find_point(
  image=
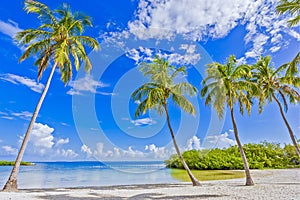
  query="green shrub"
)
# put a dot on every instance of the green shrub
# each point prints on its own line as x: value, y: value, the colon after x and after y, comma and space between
x: 11, y: 163
x: 259, y: 156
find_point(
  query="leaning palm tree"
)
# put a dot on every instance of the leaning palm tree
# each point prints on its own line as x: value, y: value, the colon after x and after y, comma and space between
x: 228, y: 84
x: 291, y: 7
x: 274, y: 83
x: 54, y: 42
x: 156, y: 94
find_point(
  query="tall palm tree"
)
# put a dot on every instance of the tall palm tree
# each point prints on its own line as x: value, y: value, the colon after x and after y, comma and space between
x: 228, y: 84
x: 273, y: 84
x: 292, y: 7
x: 54, y: 42
x: 156, y: 94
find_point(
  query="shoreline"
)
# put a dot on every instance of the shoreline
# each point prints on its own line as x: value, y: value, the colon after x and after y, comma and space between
x: 269, y: 184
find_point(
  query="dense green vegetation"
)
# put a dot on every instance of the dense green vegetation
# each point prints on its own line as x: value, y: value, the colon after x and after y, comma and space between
x: 260, y: 156
x: 11, y: 163
x: 207, y: 175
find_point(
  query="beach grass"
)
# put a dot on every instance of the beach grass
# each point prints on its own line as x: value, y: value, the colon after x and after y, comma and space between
x: 207, y: 175
x: 11, y: 163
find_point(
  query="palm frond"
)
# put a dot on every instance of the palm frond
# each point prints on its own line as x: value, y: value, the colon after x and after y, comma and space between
x: 35, y: 48
x: 183, y: 103
x: 43, y: 11
x: 154, y: 95
x: 291, y: 7
x: 57, y: 39
x: 184, y: 88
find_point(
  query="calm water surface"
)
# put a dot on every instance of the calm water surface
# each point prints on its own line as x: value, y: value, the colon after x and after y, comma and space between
x: 77, y: 174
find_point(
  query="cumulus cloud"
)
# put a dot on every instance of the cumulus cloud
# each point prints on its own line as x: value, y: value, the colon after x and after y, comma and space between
x: 143, y: 121
x: 221, y: 141
x: 9, y: 150
x: 194, y: 18
x: 85, y: 149
x: 41, y: 137
x: 199, y: 20
x: 62, y: 142
x: 193, y: 143
x: 150, y: 152
x: 20, y: 80
x: 9, y: 28
x: 85, y: 84
x: 99, y: 149
x: 42, y: 142
x: 159, y: 152
x: 66, y: 153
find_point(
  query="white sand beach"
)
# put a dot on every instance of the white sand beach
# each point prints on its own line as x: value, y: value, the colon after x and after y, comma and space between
x: 270, y: 184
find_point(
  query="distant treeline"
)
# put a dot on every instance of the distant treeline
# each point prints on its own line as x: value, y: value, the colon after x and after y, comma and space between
x: 259, y: 156
x: 11, y: 163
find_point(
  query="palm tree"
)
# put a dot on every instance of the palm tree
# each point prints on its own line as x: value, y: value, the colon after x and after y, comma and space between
x: 156, y: 93
x: 55, y: 41
x: 292, y: 7
x: 273, y: 85
x: 227, y: 85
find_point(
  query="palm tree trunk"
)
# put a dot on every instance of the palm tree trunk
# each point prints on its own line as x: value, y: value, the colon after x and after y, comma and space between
x: 249, y: 180
x: 192, y: 177
x: 288, y: 126
x: 11, y: 184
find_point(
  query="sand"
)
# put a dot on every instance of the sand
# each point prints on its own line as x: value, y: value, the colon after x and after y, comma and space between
x: 269, y: 184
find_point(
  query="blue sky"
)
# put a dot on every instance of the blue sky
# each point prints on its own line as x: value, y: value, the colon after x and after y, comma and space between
x: 92, y: 116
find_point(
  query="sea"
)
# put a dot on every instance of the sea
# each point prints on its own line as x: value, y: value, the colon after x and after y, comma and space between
x: 88, y: 173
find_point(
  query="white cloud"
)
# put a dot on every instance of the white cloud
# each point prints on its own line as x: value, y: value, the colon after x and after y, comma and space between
x: 42, y: 142
x: 150, y: 152
x: 294, y: 34
x: 143, y: 121
x: 275, y: 49
x: 134, y: 54
x: 4, y: 115
x: 186, y: 56
x: 181, y: 59
x: 9, y: 150
x: 107, y: 93
x: 137, y: 102
x: 193, y: 143
x: 116, y: 38
x: 202, y: 19
x: 62, y: 142
x: 259, y: 41
x: 10, y: 115
x: 195, y: 18
x: 99, y: 149
x: 64, y: 124
x: 221, y: 141
x: 9, y: 28
x: 86, y: 84
x: 66, y: 153
x: 131, y: 153
x: 23, y: 115
x: 7, y: 117
x: 41, y: 137
x: 159, y: 152
x: 87, y: 150
x: 30, y: 83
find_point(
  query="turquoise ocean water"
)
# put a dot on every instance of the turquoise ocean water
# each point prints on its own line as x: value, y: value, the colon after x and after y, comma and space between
x: 84, y: 174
